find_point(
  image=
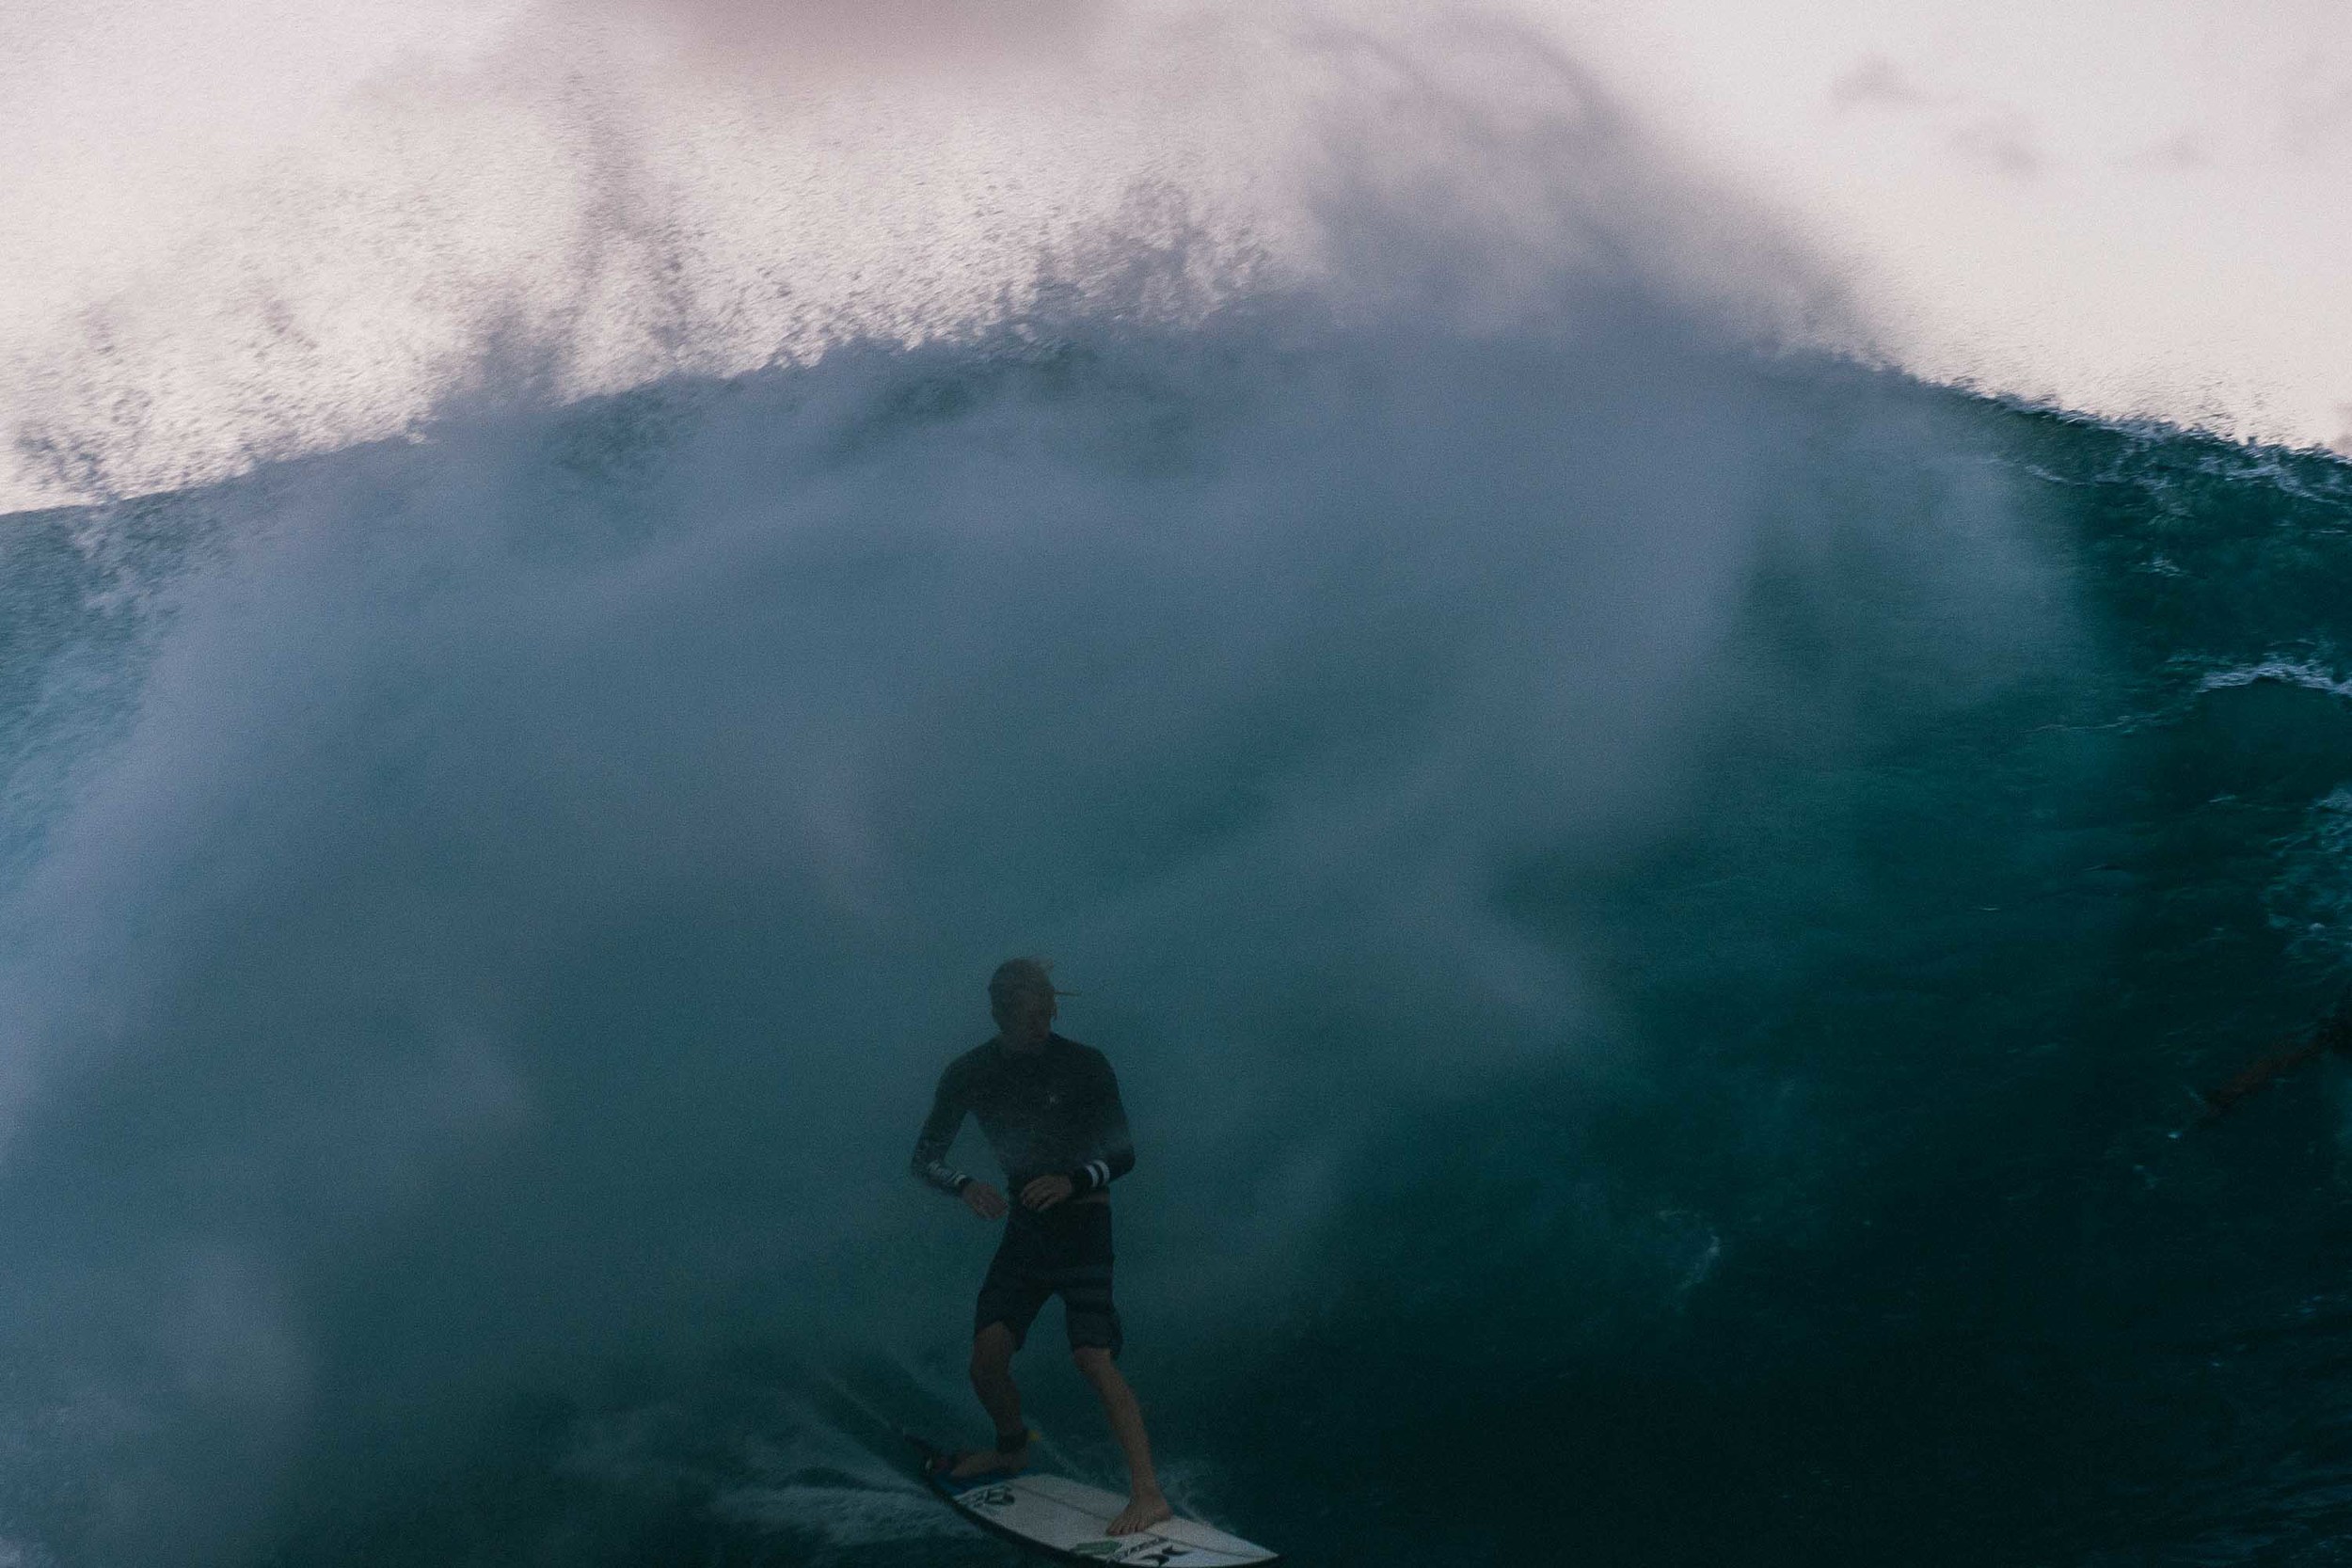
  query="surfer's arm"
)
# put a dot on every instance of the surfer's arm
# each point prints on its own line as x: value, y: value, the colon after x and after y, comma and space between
x: 2332, y: 1035
x: 1113, y: 1152
x: 932, y: 1145
x: 2258, y: 1076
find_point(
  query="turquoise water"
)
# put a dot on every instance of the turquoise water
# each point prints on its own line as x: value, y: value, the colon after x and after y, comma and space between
x: 1655, y: 908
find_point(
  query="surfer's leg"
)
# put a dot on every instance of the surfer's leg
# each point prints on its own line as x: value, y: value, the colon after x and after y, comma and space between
x: 991, y: 1379
x: 1146, y: 1506
x: 1083, y: 1275
x: 1009, y: 1299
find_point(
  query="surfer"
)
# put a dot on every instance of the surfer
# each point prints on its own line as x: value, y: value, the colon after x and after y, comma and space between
x: 1050, y: 1110
x: 2332, y: 1033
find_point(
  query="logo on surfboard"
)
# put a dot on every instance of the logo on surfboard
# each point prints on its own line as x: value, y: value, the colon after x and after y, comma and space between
x: 1150, y: 1552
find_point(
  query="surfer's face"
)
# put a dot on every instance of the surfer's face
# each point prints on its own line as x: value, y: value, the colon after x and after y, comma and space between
x: 1023, y: 1021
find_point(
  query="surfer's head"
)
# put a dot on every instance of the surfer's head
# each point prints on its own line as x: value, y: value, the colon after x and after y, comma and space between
x: 1021, y: 995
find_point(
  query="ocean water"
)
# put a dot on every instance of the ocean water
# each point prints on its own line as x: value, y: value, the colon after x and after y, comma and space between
x: 1655, y: 902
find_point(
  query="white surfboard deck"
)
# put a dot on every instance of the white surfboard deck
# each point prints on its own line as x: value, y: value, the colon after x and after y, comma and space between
x: 1065, y: 1519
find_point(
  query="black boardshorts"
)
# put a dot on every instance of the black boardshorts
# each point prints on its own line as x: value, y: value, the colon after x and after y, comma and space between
x: 1065, y: 1251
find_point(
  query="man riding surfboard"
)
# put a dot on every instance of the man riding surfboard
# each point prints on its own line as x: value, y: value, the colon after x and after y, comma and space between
x: 1050, y: 1110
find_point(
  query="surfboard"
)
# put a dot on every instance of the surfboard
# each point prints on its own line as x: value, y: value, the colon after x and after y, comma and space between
x: 1064, y: 1520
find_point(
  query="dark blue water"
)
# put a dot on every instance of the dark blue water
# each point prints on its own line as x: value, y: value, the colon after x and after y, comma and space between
x: 1655, y: 908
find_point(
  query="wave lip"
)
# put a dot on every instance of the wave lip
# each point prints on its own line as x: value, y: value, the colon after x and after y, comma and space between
x: 585, y: 208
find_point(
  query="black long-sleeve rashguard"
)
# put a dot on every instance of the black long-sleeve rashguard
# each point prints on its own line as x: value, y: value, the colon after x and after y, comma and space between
x: 1051, y: 1111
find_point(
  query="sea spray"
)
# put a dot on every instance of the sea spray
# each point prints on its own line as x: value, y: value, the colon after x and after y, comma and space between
x: 1653, y: 901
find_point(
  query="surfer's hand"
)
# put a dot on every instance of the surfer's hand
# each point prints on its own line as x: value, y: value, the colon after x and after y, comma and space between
x: 1046, y: 1190
x: 983, y: 1200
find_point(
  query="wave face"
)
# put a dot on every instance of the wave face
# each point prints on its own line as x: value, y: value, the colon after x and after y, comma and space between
x: 1653, y: 904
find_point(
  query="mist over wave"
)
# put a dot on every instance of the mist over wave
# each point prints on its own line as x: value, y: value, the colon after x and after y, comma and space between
x: 1647, y: 893
x: 580, y: 199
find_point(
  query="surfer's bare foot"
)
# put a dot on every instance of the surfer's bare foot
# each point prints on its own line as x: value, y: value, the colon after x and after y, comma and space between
x: 1143, y: 1510
x: 988, y: 1461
